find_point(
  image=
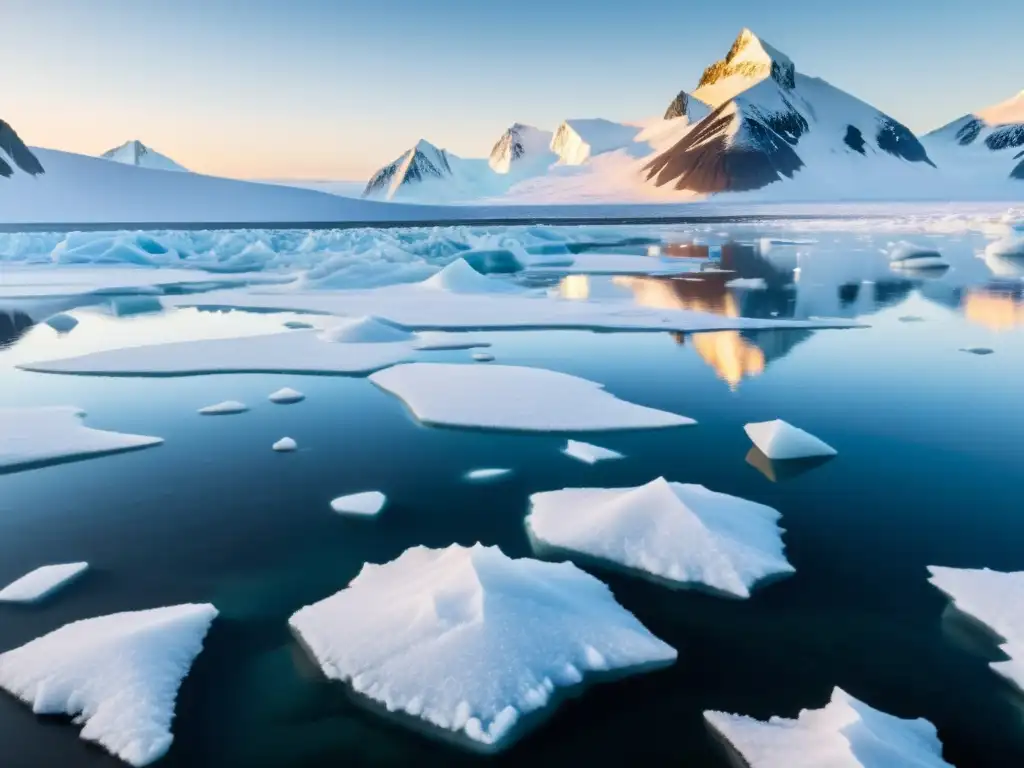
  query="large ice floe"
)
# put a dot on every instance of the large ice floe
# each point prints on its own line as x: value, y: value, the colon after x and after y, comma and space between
x: 781, y: 441
x: 365, y: 504
x: 471, y: 645
x: 35, y: 436
x: 41, y: 583
x: 117, y: 675
x: 845, y: 733
x: 509, y: 397
x: 680, y: 534
x: 996, y: 599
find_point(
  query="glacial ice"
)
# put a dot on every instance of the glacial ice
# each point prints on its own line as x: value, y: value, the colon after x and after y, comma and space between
x: 482, y: 475
x: 40, y: 583
x: 589, y: 453
x: 368, y: 503
x: 62, y: 322
x: 468, y: 642
x: 779, y: 440
x: 41, y: 435
x: 845, y: 733
x: 682, y: 534
x: 507, y: 397
x: 225, y: 408
x: 117, y: 675
x: 285, y: 445
x: 286, y: 396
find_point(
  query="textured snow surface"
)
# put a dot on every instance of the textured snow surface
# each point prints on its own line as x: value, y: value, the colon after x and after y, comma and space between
x: 469, y: 640
x: 224, y: 408
x: 589, y: 453
x: 368, y: 503
x: 286, y: 396
x: 118, y: 675
x: 682, y: 533
x: 845, y: 733
x: 514, y: 398
x: 36, y: 435
x: 285, y: 445
x: 479, y: 475
x: 40, y: 583
x: 996, y: 599
x: 779, y: 440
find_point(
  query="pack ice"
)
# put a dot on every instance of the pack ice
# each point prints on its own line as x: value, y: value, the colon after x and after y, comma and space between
x: 467, y: 643
x: 845, y: 733
x: 682, y: 534
x: 117, y: 675
x: 40, y: 435
x: 510, y: 397
x: 779, y: 440
x: 40, y: 583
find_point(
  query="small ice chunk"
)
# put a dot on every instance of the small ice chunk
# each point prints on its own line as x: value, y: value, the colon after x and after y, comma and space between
x: 40, y: 583
x: 977, y: 350
x: 779, y: 440
x: 62, y: 323
x: 908, y: 256
x: 471, y: 639
x: 460, y: 277
x: 297, y: 325
x: 285, y: 444
x: 286, y: 396
x: 510, y: 397
x: 589, y: 453
x: 845, y: 733
x: 365, y: 330
x: 117, y: 675
x: 40, y: 435
x: 749, y: 283
x: 479, y: 475
x: 368, y: 503
x: 483, y: 357
x: 679, y: 533
x: 225, y: 408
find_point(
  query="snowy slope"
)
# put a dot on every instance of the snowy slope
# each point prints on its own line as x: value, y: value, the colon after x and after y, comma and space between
x: 136, y: 153
x: 14, y: 155
x: 576, y: 141
x: 988, y: 143
x: 522, y: 148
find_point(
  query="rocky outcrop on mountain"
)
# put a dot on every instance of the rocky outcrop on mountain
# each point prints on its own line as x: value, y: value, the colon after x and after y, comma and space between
x: 988, y: 142
x: 13, y: 150
x: 138, y: 154
x: 521, y: 145
x: 421, y: 163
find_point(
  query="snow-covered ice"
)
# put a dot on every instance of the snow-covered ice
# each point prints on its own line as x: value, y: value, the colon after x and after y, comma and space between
x: 460, y: 277
x: 368, y: 503
x: 907, y: 256
x: 682, y: 534
x: 438, y: 341
x: 285, y: 445
x: 509, y: 397
x: 617, y: 264
x: 286, y: 396
x: 589, y: 453
x: 468, y: 642
x: 483, y: 357
x: 40, y: 583
x: 779, y: 440
x: 996, y: 599
x: 225, y: 408
x: 845, y: 733
x: 117, y: 675
x: 364, y: 330
x: 40, y: 435
x: 480, y: 475
x: 62, y: 322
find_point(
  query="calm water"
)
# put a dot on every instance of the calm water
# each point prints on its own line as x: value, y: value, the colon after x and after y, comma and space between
x: 929, y: 442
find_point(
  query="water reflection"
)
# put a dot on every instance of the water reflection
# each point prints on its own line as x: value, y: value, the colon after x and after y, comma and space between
x: 994, y: 309
x: 780, y: 471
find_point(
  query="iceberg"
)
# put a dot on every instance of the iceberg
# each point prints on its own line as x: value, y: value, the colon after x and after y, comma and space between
x: 225, y: 408
x: 481, y: 475
x: 588, y: 453
x: 117, y: 675
x: 285, y: 445
x: 508, y: 397
x: 907, y: 256
x: 367, y: 504
x: 845, y: 733
x: 680, y: 534
x: 34, y: 436
x: 41, y: 583
x: 62, y: 322
x: 779, y: 441
x: 286, y: 396
x: 471, y: 645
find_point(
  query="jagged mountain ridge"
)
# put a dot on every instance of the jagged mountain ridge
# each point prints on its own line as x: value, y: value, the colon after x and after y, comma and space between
x: 136, y: 153
x: 14, y: 149
x: 991, y: 139
x: 424, y: 161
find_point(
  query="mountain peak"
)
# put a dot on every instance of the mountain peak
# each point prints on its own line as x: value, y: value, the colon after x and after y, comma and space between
x: 753, y: 58
x: 134, y: 152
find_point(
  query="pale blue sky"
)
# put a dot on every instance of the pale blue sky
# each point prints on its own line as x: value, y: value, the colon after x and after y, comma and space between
x: 336, y: 88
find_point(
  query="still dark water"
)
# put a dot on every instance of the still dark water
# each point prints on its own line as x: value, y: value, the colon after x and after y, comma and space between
x: 928, y: 472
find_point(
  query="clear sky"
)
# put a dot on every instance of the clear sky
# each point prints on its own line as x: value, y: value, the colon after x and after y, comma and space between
x: 333, y: 89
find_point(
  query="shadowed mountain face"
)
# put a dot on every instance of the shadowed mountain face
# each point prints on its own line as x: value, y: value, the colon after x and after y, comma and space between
x: 14, y: 148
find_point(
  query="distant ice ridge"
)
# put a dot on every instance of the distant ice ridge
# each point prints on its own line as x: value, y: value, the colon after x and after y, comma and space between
x: 845, y: 733
x: 117, y: 675
x: 472, y: 644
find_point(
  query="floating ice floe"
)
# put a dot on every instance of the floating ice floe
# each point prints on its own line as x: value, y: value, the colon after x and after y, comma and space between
x: 588, y: 453
x: 907, y: 256
x: 996, y: 599
x: 681, y: 534
x: 226, y: 408
x: 286, y: 396
x: 368, y: 503
x: 42, y: 435
x: 845, y: 733
x: 62, y: 322
x: 977, y: 350
x: 483, y: 357
x: 472, y: 644
x: 779, y: 440
x: 41, y: 583
x: 480, y: 475
x: 749, y: 283
x: 284, y: 445
x: 617, y: 264
x: 117, y: 675
x: 509, y: 397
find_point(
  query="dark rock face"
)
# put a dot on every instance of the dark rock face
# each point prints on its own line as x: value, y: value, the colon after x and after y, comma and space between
x: 968, y: 132
x: 21, y: 155
x: 511, y: 142
x: 420, y: 167
x: 1018, y: 172
x: 896, y: 139
x: 678, y: 106
x: 789, y: 125
x: 1009, y: 136
x: 854, y: 139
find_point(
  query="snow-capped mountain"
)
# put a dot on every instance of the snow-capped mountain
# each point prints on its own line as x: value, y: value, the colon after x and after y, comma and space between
x: 522, y: 147
x: 770, y: 122
x: 576, y: 141
x: 136, y: 153
x: 987, y: 142
x: 421, y: 163
x: 14, y: 154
